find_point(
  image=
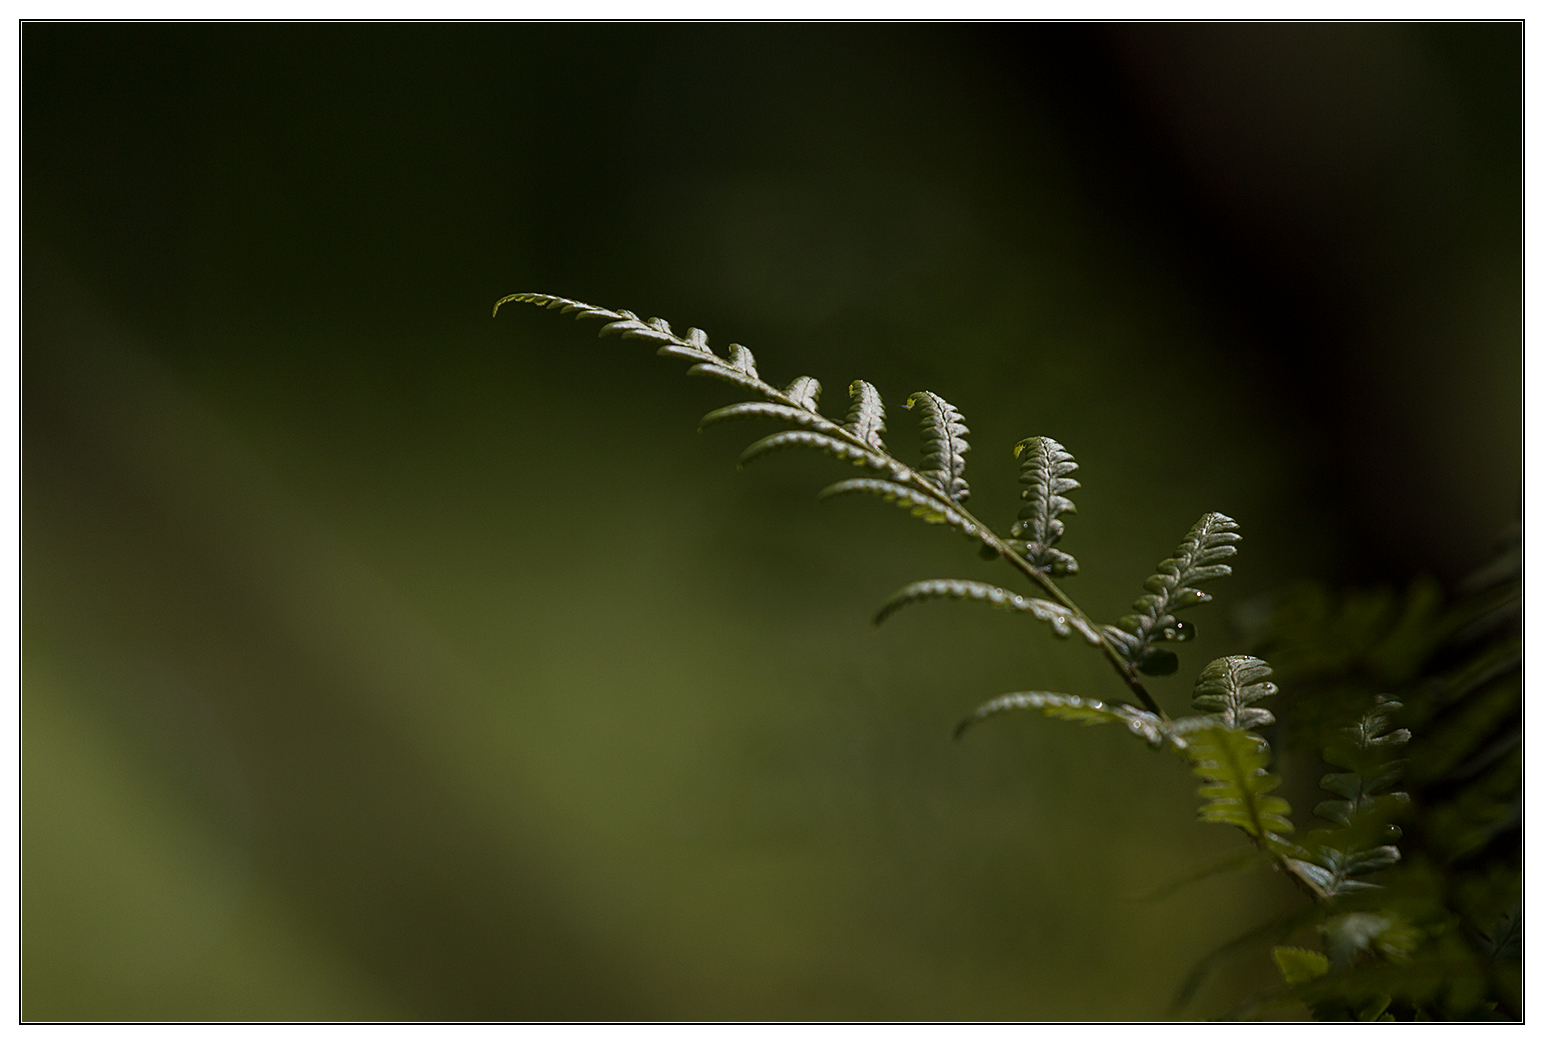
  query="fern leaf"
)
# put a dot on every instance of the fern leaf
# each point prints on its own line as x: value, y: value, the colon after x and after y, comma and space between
x: 1046, y: 465
x: 805, y: 391
x: 921, y: 505
x: 740, y: 358
x: 693, y: 347
x: 866, y: 418
x: 771, y: 411
x: 1063, y: 622
x: 1198, y: 558
x: 1237, y: 787
x: 1229, y: 686
x: 826, y: 444
x: 566, y: 305
x: 1351, y: 850
x: 1363, y: 748
x: 1333, y: 872
x: 1371, y: 734
x: 943, y: 444
x: 1072, y: 708
x: 1299, y: 965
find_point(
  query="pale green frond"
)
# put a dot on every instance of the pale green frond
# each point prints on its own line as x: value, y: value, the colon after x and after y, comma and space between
x: 1230, y: 686
x: 771, y: 411
x: 1172, y: 588
x: 866, y: 418
x: 1063, y: 622
x: 1299, y: 965
x: 826, y: 444
x: 1236, y: 785
x: 943, y: 444
x: 1072, y: 708
x: 921, y: 505
x: 1044, y: 467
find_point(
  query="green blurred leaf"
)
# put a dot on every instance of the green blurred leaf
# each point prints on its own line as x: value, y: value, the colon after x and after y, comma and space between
x: 1299, y: 965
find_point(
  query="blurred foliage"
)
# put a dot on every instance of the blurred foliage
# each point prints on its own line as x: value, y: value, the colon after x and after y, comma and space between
x: 381, y: 661
x: 1439, y: 935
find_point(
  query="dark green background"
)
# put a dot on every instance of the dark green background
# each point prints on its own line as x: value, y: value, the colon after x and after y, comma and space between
x: 382, y: 660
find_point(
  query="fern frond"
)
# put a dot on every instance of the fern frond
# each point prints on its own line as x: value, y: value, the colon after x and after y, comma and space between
x: 1360, y: 793
x: 1361, y: 815
x: 1370, y: 735
x: 1237, y: 787
x: 921, y: 505
x: 826, y: 444
x: 935, y: 492
x: 866, y: 418
x: 1062, y: 622
x: 1043, y: 473
x: 1198, y: 558
x: 693, y: 347
x: 565, y: 304
x: 1332, y: 872
x: 1364, y: 748
x: 1072, y: 708
x: 943, y: 444
x: 1228, y: 687
x: 771, y: 411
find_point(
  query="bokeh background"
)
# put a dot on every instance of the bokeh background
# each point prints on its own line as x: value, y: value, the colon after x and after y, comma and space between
x: 383, y: 660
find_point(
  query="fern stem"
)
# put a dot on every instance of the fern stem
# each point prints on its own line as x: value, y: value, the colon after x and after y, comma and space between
x: 1123, y: 667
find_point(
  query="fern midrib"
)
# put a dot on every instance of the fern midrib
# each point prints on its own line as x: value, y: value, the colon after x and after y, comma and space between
x: 1161, y: 607
x: 950, y: 443
x: 1042, y: 518
x: 1234, y: 695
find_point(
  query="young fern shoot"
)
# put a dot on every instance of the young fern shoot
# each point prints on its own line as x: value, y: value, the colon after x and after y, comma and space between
x: 936, y: 492
x: 1217, y: 742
